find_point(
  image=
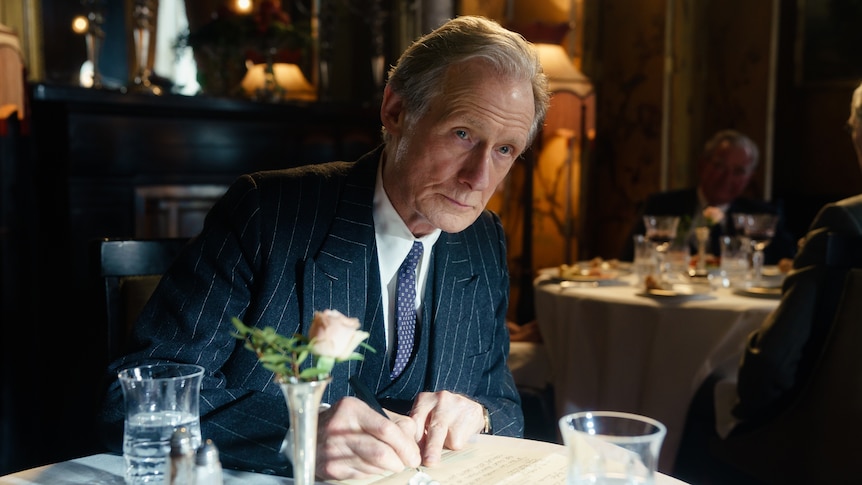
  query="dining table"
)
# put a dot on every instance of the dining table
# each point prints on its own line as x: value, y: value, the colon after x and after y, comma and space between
x: 612, y: 345
x: 487, y: 459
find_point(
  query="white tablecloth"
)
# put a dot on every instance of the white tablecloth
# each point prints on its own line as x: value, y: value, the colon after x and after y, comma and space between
x: 612, y: 349
x: 107, y: 469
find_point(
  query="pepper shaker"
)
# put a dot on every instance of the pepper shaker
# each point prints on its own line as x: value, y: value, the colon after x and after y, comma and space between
x: 181, y: 465
x: 207, y: 465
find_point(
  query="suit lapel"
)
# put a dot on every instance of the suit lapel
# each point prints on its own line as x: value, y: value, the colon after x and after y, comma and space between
x: 337, y: 276
x: 447, y: 296
x: 344, y: 274
x: 454, y: 282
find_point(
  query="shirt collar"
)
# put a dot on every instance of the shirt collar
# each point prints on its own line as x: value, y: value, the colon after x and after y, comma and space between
x: 394, y: 239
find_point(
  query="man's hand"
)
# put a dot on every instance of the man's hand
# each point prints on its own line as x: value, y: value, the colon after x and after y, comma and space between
x: 354, y: 441
x: 444, y: 419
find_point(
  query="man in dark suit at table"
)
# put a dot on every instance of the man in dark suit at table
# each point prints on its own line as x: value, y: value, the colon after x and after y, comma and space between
x: 780, y: 357
x: 461, y: 105
x: 724, y: 171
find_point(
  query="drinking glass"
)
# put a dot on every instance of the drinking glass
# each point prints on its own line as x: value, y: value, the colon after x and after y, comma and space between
x: 611, y: 448
x: 735, y: 256
x: 159, y: 399
x: 739, y: 221
x: 661, y: 230
x: 759, y: 229
x: 644, y: 263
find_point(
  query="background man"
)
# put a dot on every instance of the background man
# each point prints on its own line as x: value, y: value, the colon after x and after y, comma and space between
x: 724, y: 170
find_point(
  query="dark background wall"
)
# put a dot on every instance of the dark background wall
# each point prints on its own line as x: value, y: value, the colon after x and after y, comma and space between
x: 721, y: 56
x: 722, y: 60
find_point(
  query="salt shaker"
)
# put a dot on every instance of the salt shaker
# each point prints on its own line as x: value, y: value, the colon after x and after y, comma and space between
x: 207, y: 465
x: 181, y: 463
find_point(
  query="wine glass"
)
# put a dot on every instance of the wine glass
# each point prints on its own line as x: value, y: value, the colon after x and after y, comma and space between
x: 740, y: 220
x: 661, y: 230
x: 759, y: 229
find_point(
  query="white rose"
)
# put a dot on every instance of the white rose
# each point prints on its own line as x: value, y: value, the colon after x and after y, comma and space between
x: 335, y: 335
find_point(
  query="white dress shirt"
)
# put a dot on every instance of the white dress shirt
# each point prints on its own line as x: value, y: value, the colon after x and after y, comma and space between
x: 394, y: 241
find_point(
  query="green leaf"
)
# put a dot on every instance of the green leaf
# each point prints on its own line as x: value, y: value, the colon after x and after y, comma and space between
x: 276, y: 369
x: 302, y: 356
x: 312, y: 373
x: 325, y: 363
x: 272, y: 358
x: 240, y: 327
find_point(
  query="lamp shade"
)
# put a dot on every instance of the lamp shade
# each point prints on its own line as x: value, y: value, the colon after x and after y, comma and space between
x: 562, y: 74
x: 289, y: 78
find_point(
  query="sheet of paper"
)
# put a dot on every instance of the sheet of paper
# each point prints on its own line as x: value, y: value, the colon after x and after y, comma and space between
x: 490, y: 460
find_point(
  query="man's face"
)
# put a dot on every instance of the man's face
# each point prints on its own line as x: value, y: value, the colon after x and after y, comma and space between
x: 443, y: 168
x: 725, y: 173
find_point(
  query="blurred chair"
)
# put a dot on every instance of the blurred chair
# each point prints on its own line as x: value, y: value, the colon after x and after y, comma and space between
x: 12, y: 186
x: 15, y: 280
x: 13, y: 73
x: 531, y: 370
x: 128, y: 271
x: 813, y: 439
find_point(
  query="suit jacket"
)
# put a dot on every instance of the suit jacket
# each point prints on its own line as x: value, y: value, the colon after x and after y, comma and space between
x: 685, y: 202
x: 280, y: 245
x: 781, y: 353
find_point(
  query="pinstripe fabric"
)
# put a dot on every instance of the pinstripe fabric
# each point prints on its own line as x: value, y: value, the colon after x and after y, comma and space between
x: 282, y: 244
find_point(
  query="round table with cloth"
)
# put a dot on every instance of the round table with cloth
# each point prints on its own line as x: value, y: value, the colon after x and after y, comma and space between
x: 611, y: 346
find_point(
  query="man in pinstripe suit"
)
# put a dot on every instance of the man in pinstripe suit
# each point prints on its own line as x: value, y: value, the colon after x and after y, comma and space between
x: 462, y: 104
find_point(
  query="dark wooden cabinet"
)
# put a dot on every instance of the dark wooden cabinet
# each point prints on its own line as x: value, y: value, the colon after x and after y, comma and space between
x: 97, y: 152
x: 107, y: 164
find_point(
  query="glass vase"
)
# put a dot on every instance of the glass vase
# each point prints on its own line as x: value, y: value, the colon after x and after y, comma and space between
x: 702, y: 235
x: 303, y: 403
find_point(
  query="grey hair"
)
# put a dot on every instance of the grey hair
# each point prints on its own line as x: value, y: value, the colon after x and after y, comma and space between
x: 735, y: 138
x: 420, y: 71
x: 856, y: 102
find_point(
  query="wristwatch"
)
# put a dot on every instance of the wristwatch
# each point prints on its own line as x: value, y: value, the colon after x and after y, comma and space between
x: 487, y: 429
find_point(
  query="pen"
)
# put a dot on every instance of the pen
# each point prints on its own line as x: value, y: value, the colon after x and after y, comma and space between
x: 365, y: 394
x: 368, y: 397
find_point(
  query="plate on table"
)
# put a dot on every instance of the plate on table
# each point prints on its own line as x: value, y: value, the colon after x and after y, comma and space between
x: 772, y: 277
x: 771, y: 270
x: 587, y: 271
x: 760, y: 291
x: 679, y: 291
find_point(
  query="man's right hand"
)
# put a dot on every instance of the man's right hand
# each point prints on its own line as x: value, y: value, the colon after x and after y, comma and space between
x: 354, y: 441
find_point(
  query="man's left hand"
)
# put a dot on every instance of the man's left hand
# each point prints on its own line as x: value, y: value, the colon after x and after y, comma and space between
x: 445, y: 419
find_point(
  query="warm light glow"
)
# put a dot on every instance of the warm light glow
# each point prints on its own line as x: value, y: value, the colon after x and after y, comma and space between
x: 288, y: 76
x: 80, y: 24
x: 562, y: 74
x: 569, y: 124
x: 85, y: 75
x: 244, y: 6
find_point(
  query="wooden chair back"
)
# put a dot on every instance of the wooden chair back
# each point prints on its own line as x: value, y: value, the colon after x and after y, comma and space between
x: 128, y: 272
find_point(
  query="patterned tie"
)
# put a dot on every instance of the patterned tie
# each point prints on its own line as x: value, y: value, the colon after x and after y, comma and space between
x: 405, y: 308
